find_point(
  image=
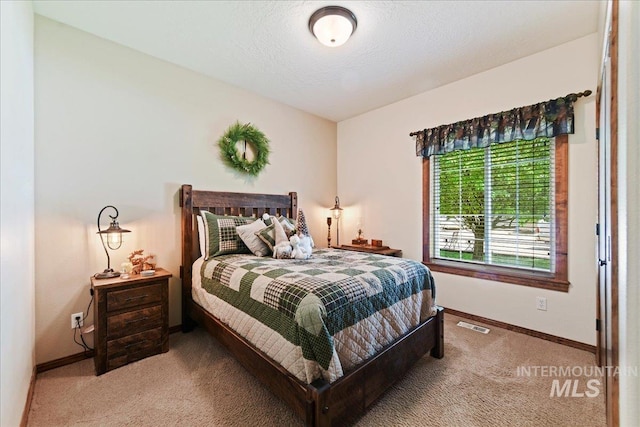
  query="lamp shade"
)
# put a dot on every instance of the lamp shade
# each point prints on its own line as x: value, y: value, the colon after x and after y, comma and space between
x: 332, y: 25
x: 336, y: 210
x: 113, y: 234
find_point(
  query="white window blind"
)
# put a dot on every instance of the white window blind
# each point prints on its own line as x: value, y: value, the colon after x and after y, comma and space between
x: 496, y: 205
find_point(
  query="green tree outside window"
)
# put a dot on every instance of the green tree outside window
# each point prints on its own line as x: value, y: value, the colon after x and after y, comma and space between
x: 505, y: 186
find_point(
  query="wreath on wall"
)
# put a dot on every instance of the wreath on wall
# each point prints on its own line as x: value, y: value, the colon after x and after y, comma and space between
x: 250, y: 135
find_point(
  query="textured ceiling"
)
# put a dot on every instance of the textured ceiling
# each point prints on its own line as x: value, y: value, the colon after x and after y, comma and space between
x: 400, y: 48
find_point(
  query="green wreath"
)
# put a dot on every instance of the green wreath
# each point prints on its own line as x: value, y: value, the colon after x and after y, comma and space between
x: 250, y: 135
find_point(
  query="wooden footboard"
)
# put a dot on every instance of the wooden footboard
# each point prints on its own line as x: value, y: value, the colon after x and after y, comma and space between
x: 319, y: 403
x: 349, y: 396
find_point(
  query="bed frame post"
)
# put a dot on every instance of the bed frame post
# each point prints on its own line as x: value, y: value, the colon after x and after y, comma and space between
x: 318, y: 414
x: 438, y: 349
x: 294, y: 205
x: 186, y: 202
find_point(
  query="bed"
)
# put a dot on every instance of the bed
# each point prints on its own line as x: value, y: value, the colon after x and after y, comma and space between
x: 321, y: 397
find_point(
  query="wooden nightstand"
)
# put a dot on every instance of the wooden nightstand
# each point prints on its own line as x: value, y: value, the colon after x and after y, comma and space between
x: 131, y: 318
x: 380, y: 250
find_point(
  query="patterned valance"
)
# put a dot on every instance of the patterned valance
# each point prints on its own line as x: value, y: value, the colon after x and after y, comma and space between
x: 548, y: 119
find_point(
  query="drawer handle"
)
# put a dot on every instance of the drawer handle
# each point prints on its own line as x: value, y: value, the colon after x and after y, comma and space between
x: 134, y: 298
x: 128, y: 322
x: 128, y: 346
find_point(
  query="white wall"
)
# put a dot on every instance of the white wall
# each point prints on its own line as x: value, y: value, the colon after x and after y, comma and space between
x: 380, y: 179
x: 114, y: 126
x: 17, y: 285
x: 629, y: 206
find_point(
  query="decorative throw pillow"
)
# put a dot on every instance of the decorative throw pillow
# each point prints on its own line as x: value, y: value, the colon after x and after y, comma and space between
x: 221, y: 236
x: 248, y: 234
x: 282, y: 249
x: 268, y: 236
x: 201, y: 238
x: 287, y: 225
x: 276, y: 231
x: 266, y: 218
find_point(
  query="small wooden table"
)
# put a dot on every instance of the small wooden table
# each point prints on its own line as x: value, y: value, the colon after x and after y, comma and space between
x: 380, y: 250
x: 131, y: 318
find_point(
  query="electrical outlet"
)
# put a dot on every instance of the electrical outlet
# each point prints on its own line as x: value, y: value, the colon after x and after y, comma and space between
x: 74, y: 322
x: 541, y: 303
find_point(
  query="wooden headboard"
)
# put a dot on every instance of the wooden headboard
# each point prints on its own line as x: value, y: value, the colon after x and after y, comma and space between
x: 221, y: 203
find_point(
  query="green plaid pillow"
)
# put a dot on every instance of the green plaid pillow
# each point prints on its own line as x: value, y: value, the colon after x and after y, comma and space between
x: 220, y: 234
x: 268, y: 236
x: 287, y: 223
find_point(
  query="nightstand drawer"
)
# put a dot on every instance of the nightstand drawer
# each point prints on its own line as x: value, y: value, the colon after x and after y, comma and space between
x: 133, y: 322
x: 133, y: 347
x: 118, y: 300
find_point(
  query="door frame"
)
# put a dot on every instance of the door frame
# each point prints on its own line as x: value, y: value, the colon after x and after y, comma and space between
x: 607, y: 313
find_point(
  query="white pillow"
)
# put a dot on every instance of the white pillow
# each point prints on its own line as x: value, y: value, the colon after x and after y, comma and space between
x: 201, y: 238
x: 248, y: 235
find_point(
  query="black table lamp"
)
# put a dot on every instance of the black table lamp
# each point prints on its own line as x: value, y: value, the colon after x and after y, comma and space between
x: 114, y: 241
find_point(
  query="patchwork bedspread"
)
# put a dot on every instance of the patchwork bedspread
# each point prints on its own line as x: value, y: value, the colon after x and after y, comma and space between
x: 322, y: 316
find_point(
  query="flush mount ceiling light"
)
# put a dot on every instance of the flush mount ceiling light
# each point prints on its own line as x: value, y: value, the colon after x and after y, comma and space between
x: 332, y: 25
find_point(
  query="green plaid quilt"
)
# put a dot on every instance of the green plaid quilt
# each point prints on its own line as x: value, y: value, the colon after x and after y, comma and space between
x: 308, y: 301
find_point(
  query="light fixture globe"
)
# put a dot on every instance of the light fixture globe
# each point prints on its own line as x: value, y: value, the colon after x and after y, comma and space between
x: 332, y: 25
x: 336, y: 210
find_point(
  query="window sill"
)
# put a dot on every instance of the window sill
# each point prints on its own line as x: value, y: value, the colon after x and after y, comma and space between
x: 500, y: 274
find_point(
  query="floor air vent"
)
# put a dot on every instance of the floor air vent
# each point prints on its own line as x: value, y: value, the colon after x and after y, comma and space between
x: 476, y: 328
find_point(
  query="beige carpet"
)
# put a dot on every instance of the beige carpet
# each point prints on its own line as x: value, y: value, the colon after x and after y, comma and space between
x: 197, y: 383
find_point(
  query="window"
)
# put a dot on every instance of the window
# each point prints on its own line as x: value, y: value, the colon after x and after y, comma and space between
x: 499, y: 212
